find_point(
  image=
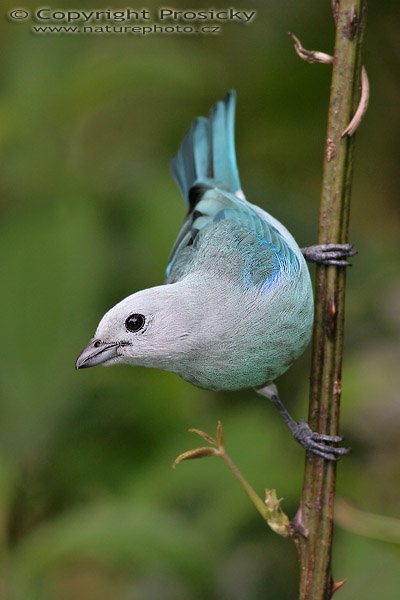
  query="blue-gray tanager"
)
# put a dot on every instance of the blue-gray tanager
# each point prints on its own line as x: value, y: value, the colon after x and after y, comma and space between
x: 236, y: 308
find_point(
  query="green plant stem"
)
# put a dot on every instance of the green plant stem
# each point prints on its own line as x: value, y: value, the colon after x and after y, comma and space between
x: 252, y: 494
x: 269, y: 509
x: 315, y: 515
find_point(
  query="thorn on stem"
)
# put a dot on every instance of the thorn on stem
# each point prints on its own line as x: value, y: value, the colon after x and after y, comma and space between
x: 315, y: 56
x: 336, y: 585
x: 362, y: 106
x: 310, y: 56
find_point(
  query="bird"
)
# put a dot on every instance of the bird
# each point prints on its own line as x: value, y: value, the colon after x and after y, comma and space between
x: 236, y: 307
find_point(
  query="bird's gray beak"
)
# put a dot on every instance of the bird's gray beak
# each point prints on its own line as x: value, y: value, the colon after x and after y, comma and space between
x: 96, y: 353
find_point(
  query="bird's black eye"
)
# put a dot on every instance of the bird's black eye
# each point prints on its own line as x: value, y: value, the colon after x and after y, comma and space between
x: 135, y: 322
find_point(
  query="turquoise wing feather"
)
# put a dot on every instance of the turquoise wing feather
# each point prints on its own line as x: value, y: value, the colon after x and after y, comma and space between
x: 207, y: 152
x: 207, y: 174
x: 222, y: 220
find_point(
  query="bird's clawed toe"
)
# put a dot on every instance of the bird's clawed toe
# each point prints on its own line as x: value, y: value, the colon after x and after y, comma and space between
x: 329, y: 254
x: 322, y: 437
x: 318, y: 443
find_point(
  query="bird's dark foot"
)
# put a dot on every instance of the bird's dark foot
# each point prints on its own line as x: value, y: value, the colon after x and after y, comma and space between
x: 318, y: 443
x: 329, y: 254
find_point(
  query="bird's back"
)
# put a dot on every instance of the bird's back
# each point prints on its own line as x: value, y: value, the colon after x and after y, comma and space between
x: 249, y: 269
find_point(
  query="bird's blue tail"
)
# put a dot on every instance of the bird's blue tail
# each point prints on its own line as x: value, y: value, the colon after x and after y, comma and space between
x: 207, y: 153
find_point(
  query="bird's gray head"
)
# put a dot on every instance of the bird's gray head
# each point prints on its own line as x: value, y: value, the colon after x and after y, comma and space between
x: 153, y: 327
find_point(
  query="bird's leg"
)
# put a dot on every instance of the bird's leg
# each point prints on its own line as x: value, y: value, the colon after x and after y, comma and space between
x: 317, y: 443
x: 329, y: 254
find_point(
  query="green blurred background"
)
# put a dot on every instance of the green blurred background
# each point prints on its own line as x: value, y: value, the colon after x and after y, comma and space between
x: 89, y: 505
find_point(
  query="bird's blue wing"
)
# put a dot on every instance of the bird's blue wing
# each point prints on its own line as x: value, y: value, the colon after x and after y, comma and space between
x: 219, y: 217
x: 207, y: 174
